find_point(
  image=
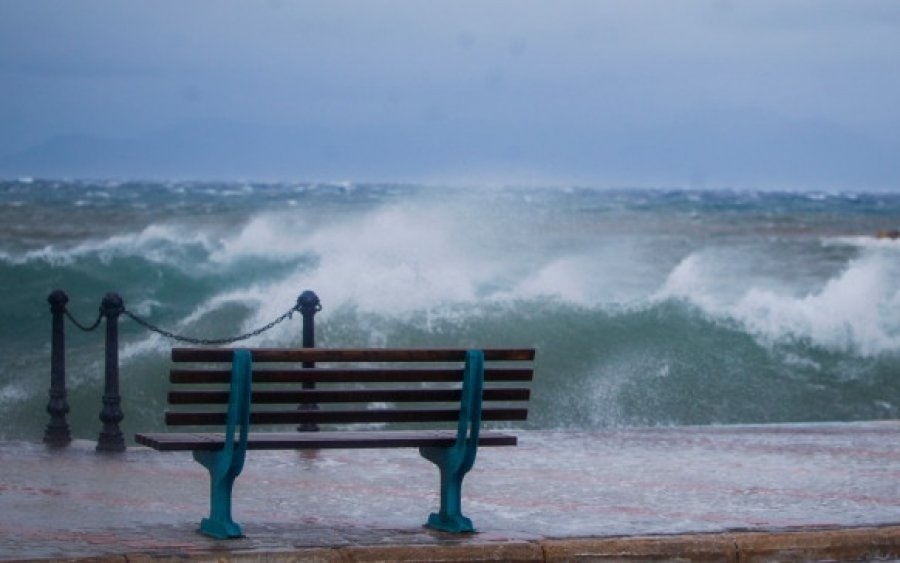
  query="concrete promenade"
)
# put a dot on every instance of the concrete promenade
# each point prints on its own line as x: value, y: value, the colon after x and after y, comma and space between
x: 726, y: 493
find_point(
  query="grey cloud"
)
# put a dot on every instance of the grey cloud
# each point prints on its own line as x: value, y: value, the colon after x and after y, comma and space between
x: 627, y: 91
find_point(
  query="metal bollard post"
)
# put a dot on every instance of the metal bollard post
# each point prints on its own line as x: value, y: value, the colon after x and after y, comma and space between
x: 308, y: 304
x: 111, y: 439
x: 57, y: 432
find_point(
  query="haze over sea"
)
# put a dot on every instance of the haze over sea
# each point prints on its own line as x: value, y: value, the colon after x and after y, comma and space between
x: 647, y: 307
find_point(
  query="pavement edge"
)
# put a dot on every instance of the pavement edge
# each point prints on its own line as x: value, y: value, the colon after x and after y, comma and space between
x: 838, y: 544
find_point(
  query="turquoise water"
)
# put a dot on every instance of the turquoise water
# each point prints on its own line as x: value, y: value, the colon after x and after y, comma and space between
x: 647, y: 307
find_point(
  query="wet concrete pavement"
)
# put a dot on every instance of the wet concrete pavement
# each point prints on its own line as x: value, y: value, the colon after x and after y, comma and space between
x: 554, y: 491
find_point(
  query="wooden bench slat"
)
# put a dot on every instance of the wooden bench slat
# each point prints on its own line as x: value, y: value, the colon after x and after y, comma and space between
x: 347, y: 375
x: 185, y: 441
x: 359, y: 416
x: 309, y: 396
x: 349, y: 354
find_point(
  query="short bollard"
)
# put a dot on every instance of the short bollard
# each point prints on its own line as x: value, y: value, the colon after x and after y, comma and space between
x: 308, y: 304
x: 111, y: 439
x: 57, y: 432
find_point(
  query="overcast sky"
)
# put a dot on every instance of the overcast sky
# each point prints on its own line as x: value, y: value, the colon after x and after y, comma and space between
x: 708, y: 93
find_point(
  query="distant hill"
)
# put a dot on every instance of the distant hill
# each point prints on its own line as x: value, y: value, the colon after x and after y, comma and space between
x: 195, y: 149
x: 752, y: 149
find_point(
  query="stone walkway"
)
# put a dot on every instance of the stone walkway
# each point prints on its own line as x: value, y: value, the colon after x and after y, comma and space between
x: 823, y: 491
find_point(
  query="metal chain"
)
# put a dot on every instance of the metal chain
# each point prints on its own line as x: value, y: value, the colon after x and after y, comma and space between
x: 85, y: 328
x: 207, y: 341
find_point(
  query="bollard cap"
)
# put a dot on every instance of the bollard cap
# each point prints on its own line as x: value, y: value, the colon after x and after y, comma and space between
x: 308, y: 303
x: 58, y: 300
x: 112, y: 304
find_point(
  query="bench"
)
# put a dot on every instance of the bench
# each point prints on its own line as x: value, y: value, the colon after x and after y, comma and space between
x: 431, y: 399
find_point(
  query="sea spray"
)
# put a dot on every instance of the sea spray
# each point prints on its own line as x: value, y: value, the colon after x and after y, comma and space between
x: 856, y: 311
x: 647, y: 307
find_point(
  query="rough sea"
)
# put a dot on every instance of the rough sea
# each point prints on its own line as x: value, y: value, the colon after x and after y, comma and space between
x: 647, y: 307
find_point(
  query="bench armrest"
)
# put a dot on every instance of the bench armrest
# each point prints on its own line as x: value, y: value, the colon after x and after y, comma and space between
x: 470, y: 410
x: 239, y: 398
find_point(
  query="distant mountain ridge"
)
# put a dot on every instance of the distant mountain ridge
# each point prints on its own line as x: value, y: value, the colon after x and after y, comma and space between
x: 733, y: 149
x: 193, y: 149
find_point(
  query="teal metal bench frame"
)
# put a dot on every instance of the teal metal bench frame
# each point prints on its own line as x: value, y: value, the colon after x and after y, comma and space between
x: 226, y: 464
x: 453, y: 462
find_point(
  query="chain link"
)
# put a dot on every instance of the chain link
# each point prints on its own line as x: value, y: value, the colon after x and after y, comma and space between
x: 207, y: 341
x: 85, y: 328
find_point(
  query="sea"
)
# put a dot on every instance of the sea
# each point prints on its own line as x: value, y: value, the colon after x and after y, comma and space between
x: 647, y: 307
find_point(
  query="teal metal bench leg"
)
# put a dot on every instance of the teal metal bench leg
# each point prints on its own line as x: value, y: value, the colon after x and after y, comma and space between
x: 226, y: 464
x: 454, y: 462
x: 219, y: 525
x: 450, y: 518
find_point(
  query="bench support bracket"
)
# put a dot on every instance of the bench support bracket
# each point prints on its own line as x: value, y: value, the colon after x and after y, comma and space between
x: 226, y: 464
x: 454, y: 462
x: 450, y: 518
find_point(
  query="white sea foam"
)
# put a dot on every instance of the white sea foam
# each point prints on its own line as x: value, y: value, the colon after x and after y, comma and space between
x: 565, y: 278
x: 410, y: 258
x: 413, y: 257
x: 252, y: 297
x: 13, y: 392
x: 605, y: 275
x: 155, y: 243
x: 277, y: 236
x: 858, y: 310
x: 693, y: 280
x: 152, y: 343
x: 393, y: 260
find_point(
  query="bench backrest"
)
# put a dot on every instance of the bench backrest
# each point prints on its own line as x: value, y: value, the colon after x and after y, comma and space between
x: 352, y: 386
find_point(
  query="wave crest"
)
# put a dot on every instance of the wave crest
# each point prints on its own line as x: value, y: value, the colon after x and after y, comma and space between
x: 857, y: 311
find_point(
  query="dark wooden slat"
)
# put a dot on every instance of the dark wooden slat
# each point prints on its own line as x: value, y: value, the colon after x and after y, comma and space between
x: 318, y: 440
x: 350, y: 354
x: 317, y: 396
x: 179, y: 441
x: 174, y: 418
x: 348, y: 375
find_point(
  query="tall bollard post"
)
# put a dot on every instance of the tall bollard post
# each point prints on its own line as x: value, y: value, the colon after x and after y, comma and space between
x: 111, y: 439
x: 57, y: 432
x: 308, y: 304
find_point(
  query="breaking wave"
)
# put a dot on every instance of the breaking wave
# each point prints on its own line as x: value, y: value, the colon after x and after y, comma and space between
x: 645, y: 307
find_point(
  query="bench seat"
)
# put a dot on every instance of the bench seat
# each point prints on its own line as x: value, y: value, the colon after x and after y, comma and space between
x: 324, y: 440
